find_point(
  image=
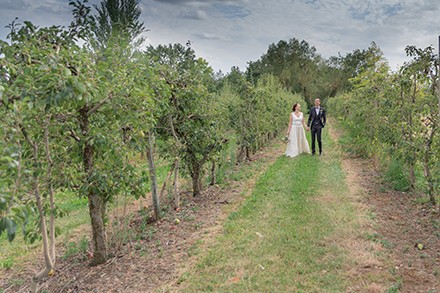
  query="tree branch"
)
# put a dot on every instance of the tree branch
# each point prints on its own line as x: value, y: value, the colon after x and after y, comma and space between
x: 97, y: 106
x: 74, y: 135
x: 25, y: 134
x: 173, y: 131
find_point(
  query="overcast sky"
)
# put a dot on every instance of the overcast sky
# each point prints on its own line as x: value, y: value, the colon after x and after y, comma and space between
x: 231, y: 33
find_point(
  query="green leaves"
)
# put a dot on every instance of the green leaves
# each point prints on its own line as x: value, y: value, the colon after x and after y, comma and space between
x: 9, y: 226
x: 255, y: 112
x: 189, y: 110
x: 394, y: 116
x: 38, y: 102
x: 295, y: 63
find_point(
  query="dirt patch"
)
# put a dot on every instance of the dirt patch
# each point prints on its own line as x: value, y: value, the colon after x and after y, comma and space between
x: 165, y: 250
x: 400, y: 224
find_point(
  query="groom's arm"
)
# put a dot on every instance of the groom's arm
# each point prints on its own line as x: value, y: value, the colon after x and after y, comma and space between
x: 310, y: 118
x: 324, y: 119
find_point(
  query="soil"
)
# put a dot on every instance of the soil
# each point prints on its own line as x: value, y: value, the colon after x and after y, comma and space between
x: 402, y: 223
x: 166, y: 249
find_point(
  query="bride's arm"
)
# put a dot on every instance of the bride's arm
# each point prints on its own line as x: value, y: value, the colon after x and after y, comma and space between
x: 290, y: 125
x: 304, y: 122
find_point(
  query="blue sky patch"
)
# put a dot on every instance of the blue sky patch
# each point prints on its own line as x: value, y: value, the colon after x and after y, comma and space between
x: 232, y: 11
x: 391, y: 10
x: 358, y: 14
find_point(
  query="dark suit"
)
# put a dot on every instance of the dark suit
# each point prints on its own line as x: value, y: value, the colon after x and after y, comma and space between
x: 316, y: 122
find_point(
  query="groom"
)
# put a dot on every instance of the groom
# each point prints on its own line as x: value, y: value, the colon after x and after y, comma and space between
x: 316, y: 122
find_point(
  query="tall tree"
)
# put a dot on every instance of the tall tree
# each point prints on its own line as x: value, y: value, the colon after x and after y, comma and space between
x: 295, y: 63
x: 110, y: 36
x: 117, y: 19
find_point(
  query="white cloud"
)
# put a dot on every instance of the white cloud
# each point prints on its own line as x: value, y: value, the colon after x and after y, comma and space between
x: 209, y: 36
x: 194, y: 14
x: 13, y: 4
x: 231, y: 33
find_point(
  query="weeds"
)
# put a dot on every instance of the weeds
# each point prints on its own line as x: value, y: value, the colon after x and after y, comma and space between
x: 76, y: 250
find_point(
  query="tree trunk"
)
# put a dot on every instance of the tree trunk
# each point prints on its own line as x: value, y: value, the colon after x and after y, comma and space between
x: 427, y: 170
x: 18, y: 179
x: 152, y: 169
x: 51, y: 193
x: 438, y: 96
x: 413, y: 153
x: 412, y: 176
x: 43, y: 228
x: 213, y: 178
x: 195, y: 175
x: 176, y: 194
x: 98, y: 229
x: 240, y: 154
x: 96, y: 202
x: 428, y: 178
x: 164, y: 186
x: 248, y: 156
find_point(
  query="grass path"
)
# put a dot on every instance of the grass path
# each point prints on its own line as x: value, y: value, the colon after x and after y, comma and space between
x: 302, y: 229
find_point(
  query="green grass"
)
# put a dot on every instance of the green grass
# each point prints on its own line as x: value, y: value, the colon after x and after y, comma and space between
x: 278, y: 240
x: 76, y: 250
x: 397, y: 176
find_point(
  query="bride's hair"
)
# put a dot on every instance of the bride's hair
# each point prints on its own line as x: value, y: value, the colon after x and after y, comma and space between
x: 294, y: 106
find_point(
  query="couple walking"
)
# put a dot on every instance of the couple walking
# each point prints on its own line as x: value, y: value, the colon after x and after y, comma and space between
x: 297, y: 141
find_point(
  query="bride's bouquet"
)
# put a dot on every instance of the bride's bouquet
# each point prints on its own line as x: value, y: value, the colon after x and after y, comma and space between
x: 285, y: 139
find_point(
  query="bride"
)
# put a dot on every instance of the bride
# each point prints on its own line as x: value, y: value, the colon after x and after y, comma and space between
x: 297, y: 141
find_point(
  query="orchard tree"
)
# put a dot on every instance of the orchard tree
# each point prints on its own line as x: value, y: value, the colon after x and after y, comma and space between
x: 271, y: 100
x: 404, y: 125
x: 369, y: 92
x: 237, y: 96
x: 117, y: 22
x: 248, y: 107
x: 190, y: 120
x: 424, y: 115
x: 39, y: 83
x: 117, y: 102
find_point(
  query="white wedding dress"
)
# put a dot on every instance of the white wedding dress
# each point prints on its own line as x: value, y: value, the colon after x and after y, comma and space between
x: 297, y: 137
